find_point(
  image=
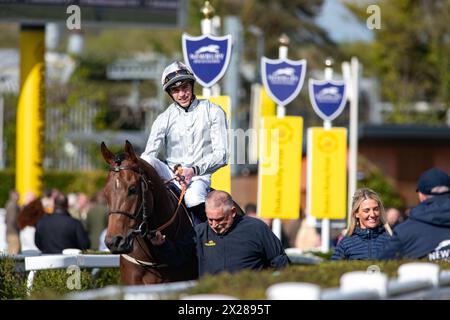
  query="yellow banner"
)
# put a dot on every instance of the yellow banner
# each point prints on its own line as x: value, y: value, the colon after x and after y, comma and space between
x: 221, y: 179
x: 279, y: 173
x: 327, y: 173
x: 268, y: 106
x: 30, y: 112
x: 262, y: 106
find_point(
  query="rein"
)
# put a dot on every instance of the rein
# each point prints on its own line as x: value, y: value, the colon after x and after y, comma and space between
x: 142, y: 229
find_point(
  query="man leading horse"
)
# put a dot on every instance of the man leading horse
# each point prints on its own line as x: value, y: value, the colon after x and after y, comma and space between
x: 226, y: 242
x: 191, y: 132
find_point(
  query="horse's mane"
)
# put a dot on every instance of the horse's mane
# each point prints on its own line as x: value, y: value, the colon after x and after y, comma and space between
x: 30, y: 214
x: 150, y: 172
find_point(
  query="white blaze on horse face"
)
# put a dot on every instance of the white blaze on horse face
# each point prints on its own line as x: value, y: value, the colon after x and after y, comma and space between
x: 117, y: 183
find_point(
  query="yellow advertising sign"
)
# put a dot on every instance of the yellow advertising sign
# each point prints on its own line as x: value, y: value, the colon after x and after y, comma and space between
x: 267, y: 105
x: 327, y: 173
x: 30, y: 112
x: 279, y: 173
x: 221, y: 179
x: 262, y: 106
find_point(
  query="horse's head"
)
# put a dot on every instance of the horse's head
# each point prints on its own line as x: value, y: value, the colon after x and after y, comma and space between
x: 126, y: 198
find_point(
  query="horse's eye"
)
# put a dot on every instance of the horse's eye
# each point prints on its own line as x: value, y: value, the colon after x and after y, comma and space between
x: 131, y: 190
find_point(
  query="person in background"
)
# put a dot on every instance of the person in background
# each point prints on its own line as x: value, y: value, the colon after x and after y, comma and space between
x: 368, y: 231
x: 12, y: 228
x: 30, y: 213
x: 47, y: 201
x: 96, y: 219
x: 307, y: 236
x: 426, y: 233
x: 251, y: 211
x: 82, y: 206
x: 60, y: 231
x: 72, y: 200
x: 226, y: 241
x: 394, y: 217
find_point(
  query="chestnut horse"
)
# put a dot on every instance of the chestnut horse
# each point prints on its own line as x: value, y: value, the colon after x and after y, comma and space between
x: 139, y: 202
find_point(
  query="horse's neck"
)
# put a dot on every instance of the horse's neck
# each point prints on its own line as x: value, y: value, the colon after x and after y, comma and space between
x: 162, y: 202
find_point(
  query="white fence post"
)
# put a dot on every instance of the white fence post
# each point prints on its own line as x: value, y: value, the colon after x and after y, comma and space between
x: 293, y: 291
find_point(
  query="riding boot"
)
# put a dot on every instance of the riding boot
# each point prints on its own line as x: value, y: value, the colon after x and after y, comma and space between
x: 198, y: 213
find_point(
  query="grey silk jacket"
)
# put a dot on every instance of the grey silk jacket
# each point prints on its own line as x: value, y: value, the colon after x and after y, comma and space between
x: 196, y: 138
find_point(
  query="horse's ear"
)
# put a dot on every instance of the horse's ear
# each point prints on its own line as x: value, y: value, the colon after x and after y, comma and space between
x: 130, y: 150
x: 107, y: 155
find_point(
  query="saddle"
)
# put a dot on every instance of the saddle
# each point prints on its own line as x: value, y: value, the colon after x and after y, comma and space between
x: 197, y: 214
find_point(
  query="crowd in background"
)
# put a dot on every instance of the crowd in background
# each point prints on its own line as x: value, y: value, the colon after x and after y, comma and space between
x: 21, y: 221
x: 54, y: 222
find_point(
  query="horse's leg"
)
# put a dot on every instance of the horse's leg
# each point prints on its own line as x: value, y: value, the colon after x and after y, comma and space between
x: 153, y: 277
x: 130, y: 273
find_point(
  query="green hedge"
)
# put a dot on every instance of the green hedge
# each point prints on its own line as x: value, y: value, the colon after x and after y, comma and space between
x: 48, y: 284
x: 253, y: 285
x: 12, y: 281
x: 87, y: 181
x: 52, y: 284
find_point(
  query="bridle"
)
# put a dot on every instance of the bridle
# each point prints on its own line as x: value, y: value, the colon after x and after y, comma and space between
x: 142, y: 230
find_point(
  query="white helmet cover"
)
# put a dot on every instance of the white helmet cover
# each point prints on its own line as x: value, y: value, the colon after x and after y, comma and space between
x: 174, y: 74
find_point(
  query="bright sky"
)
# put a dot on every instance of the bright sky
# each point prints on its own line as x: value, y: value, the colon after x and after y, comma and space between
x: 340, y: 23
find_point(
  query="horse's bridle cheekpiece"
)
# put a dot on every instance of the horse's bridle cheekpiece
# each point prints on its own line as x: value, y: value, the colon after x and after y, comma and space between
x: 143, y: 227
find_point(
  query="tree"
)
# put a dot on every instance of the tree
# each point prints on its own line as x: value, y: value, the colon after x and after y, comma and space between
x: 411, y: 54
x: 293, y: 17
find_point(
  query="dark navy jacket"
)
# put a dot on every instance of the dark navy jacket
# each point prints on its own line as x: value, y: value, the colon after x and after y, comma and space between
x: 363, y: 244
x: 58, y: 231
x: 248, y: 244
x: 425, y: 234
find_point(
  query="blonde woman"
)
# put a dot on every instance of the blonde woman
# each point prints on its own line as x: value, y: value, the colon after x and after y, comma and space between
x: 368, y: 231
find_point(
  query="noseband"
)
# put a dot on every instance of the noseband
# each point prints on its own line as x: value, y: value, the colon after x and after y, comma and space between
x: 143, y: 227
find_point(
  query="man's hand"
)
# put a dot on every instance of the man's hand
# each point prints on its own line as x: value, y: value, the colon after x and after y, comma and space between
x: 188, y: 173
x: 157, y: 239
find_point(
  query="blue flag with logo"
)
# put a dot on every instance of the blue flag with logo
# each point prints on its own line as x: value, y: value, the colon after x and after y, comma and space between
x: 207, y: 56
x: 327, y: 97
x: 283, y: 78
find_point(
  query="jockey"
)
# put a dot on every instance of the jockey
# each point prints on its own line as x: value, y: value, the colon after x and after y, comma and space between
x: 190, y: 132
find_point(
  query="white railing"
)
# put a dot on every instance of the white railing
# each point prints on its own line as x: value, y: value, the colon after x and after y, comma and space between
x: 415, y: 281
x: 149, y: 292
x: 62, y: 261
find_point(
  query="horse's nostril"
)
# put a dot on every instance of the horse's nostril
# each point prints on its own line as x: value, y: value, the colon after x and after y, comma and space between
x: 113, y: 242
x: 117, y: 240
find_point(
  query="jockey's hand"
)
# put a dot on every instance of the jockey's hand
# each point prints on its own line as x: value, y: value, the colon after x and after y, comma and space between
x: 158, y: 239
x: 188, y: 173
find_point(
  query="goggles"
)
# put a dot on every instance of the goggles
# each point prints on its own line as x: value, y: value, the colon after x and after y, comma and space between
x: 181, y: 72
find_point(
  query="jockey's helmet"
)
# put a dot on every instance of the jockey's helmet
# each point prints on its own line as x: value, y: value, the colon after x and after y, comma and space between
x: 175, y: 75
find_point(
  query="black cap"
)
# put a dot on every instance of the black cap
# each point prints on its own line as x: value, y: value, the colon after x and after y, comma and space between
x: 433, y: 178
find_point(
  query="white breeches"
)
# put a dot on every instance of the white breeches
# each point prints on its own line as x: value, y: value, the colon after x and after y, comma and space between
x: 196, y: 191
